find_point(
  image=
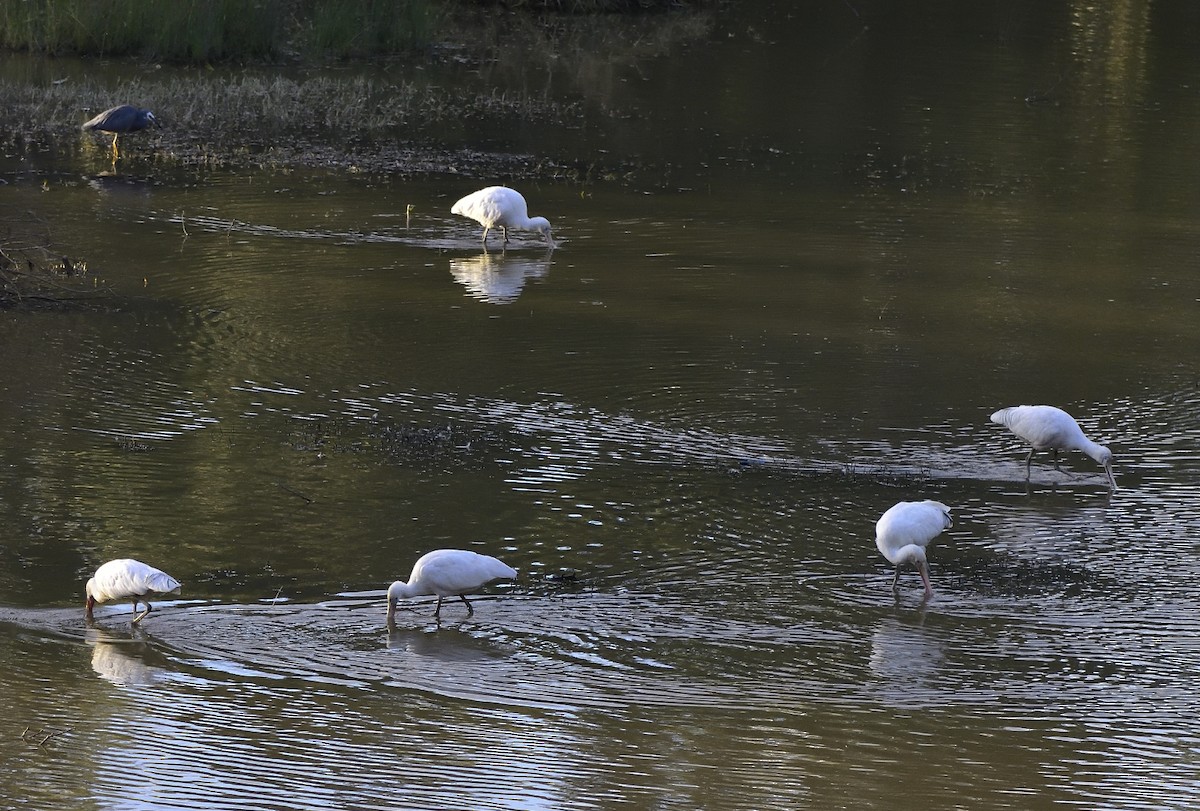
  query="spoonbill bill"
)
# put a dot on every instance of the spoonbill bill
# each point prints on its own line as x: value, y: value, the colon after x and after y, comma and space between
x: 448, y: 573
x: 119, y: 119
x: 127, y: 579
x: 503, y: 208
x: 1048, y: 428
x: 903, y: 532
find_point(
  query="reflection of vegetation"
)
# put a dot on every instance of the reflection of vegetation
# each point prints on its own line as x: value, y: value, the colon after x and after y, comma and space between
x: 197, y: 31
x: 30, y: 272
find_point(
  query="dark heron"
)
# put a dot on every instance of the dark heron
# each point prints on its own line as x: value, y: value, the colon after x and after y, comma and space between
x: 124, y: 118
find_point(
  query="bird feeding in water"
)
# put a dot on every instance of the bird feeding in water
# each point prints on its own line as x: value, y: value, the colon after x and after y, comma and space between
x: 1048, y: 428
x: 503, y: 208
x: 448, y: 573
x: 903, y: 532
x: 127, y: 579
x: 121, y: 119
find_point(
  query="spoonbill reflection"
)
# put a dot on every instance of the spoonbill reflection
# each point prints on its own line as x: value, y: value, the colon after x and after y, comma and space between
x: 503, y: 208
x: 448, y: 573
x: 127, y: 579
x: 1048, y: 428
x: 497, y: 278
x: 903, y: 532
x: 121, y: 659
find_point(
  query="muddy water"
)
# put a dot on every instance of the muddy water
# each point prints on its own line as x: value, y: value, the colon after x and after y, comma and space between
x: 832, y: 264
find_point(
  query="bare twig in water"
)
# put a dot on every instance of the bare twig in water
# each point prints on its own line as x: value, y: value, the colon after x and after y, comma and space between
x: 293, y: 492
x: 39, y: 737
x: 31, y: 270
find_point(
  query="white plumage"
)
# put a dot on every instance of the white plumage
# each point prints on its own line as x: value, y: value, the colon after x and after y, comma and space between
x: 503, y: 208
x: 903, y: 532
x: 1048, y: 428
x: 127, y: 579
x: 448, y: 573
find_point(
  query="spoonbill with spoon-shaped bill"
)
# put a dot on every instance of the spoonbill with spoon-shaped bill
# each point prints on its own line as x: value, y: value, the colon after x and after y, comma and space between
x: 1048, y: 428
x: 503, y: 208
x: 903, y: 532
x: 127, y: 579
x: 448, y: 573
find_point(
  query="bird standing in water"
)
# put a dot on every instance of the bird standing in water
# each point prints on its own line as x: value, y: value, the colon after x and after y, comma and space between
x: 123, y: 118
x: 448, y: 573
x: 903, y: 532
x: 503, y: 208
x: 1048, y: 428
x: 127, y: 579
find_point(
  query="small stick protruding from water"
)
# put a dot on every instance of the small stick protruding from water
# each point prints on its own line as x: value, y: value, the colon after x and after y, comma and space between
x: 293, y: 492
x: 40, y: 736
x: 408, y: 210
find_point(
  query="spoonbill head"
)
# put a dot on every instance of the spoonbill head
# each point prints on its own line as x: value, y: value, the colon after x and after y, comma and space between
x: 1048, y: 428
x: 448, y: 573
x: 503, y: 208
x: 127, y: 579
x: 903, y: 532
x: 120, y: 119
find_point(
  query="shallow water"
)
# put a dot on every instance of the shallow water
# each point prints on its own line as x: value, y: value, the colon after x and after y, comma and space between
x: 680, y: 427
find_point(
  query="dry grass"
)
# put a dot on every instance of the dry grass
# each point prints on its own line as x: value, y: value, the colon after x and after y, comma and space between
x: 275, y: 120
x: 370, y: 120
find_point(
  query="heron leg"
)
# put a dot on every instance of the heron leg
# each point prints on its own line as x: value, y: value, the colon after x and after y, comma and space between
x: 115, y: 136
x: 1056, y: 467
x: 142, y: 615
x: 470, y: 609
x: 504, y: 230
x: 437, y: 612
x: 896, y: 579
x: 1028, y: 462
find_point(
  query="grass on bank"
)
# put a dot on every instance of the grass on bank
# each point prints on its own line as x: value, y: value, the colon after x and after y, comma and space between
x: 352, y: 122
x: 203, y: 31
x: 199, y: 31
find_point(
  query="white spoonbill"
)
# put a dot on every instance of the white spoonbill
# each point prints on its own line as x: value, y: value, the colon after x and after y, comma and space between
x: 503, y: 208
x: 127, y: 579
x: 903, y: 532
x: 1048, y: 428
x: 448, y: 573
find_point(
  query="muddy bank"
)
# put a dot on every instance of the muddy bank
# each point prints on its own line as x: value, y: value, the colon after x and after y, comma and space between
x: 352, y: 124
x: 495, y: 106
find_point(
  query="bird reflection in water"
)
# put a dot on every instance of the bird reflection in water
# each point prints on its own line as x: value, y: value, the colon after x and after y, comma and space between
x: 498, y: 278
x: 453, y: 645
x: 121, y: 658
x: 906, y: 659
